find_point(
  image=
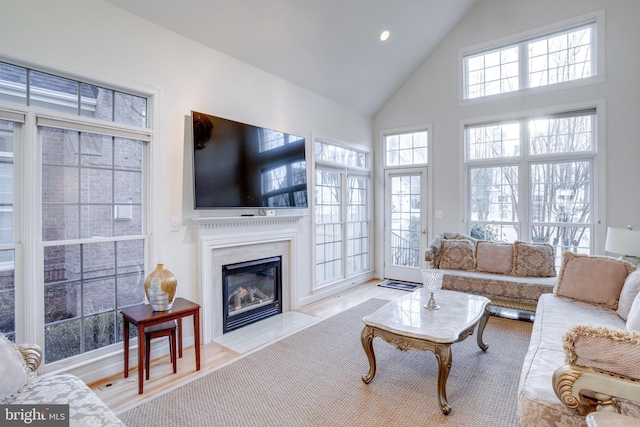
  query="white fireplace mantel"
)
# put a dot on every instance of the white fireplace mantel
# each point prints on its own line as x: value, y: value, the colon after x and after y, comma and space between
x: 242, y: 238
x: 240, y: 221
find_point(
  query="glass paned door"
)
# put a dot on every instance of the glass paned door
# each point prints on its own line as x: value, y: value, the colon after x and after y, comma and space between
x: 405, y: 225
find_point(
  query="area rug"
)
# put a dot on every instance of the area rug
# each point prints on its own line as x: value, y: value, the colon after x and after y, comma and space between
x: 404, y: 286
x: 313, y: 378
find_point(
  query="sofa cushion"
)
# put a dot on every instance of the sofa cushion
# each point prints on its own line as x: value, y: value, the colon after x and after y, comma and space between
x: 630, y: 290
x: 457, y: 254
x: 493, y: 257
x: 13, y: 370
x: 633, y: 321
x: 608, y: 349
x: 592, y: 278
x: 533, y: 260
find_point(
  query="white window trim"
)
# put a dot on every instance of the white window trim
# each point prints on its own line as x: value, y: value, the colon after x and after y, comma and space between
x: 344, y: 282
x: 599, y: 152
x: 30, y: 317
x: 599, y: 72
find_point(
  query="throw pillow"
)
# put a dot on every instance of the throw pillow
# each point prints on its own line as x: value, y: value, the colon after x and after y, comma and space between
x: 533, y: 260
x: 492, y: 257
x: 611, y: 350
x: 630, y: 290
x: 13, y: 370
x: 592, y: 278
x: 633, y: 320
x: 457, y: 255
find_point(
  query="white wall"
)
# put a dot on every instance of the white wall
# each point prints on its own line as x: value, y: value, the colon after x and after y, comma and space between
x: 92, y: 38
x: 431, y: 96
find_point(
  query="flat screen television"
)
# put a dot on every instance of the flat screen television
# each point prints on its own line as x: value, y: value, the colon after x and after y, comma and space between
x: 237, y: 165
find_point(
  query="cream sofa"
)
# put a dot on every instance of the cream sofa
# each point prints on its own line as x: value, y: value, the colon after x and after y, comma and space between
x: 584, y: 352
x: 510, y: 275
x: 21, y: 386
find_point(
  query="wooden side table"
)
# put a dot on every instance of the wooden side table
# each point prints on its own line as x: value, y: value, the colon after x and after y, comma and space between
x: 142, y: 316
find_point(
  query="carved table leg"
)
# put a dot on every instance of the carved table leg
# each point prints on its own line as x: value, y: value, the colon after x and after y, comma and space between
x: 443, y: 354
x: 367, y: 344
x: 481, y: 325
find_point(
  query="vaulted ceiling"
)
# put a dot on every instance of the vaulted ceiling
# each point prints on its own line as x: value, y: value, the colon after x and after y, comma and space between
x: 330, y: 47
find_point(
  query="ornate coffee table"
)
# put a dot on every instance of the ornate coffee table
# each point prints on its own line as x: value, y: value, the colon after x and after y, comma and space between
x: 407, y: 324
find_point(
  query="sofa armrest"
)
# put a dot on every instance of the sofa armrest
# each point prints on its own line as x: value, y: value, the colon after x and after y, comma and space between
x: 32, y: 355
x: 570, y: 381
x: 430, y: 257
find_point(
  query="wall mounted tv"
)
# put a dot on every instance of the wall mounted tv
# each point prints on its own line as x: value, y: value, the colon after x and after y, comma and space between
x: 236, y: 165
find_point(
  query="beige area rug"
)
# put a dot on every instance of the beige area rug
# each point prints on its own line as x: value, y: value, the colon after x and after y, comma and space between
x: 313, y: 378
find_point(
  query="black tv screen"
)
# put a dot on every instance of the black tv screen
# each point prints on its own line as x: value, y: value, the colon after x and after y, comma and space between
x: 237, y: 165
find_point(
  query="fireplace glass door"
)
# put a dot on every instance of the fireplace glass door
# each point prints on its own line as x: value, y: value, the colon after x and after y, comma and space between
x: 252, y: 291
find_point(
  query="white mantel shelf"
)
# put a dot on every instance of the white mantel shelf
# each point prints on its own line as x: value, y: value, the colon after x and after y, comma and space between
x: 238, y: 221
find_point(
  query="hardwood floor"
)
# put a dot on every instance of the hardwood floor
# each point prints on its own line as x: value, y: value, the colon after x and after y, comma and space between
x: 120, y: 393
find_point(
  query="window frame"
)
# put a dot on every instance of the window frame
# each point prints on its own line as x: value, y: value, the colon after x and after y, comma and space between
x: 596, y: 157
x: 29, y: 257
x: 596, y: 18
x: 344, y: 172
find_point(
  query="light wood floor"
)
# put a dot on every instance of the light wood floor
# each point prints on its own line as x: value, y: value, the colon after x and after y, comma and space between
x: 120, y: 393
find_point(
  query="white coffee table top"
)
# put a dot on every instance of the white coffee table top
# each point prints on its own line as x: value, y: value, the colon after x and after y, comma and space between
x: 407, y: 315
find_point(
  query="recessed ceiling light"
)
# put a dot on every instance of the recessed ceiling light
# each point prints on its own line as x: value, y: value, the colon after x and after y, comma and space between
x: 384, y: 35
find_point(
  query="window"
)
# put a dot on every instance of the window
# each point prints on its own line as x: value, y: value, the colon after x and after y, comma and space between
x: 92, y: 202
x: 8, y: 239
x: 342, y: 212
x: 557, y: 57
x: 532, y: 179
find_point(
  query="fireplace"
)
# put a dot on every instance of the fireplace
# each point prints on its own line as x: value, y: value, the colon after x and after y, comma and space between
x: 251, y: 291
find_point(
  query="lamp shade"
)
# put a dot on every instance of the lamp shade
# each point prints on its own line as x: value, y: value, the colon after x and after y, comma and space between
x: 622, y: 241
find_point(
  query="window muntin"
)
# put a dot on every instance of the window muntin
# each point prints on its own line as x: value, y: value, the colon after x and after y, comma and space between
x: 80, y: 192
x: 328, y: 218
x: 554, y: 58
x: 336, y: 154
x: 7, y: 294
x: 342, y: 212
x: 555, y: 135
x: 543, y: 194
x: 94, y: 254
x: 85, y: 286
x: 493, y: 72
x: 493, y: 141
x: 406, y: 149
x: 560, y: 58
x: 34, y: 88
x: 6, y: 181
x: 357, y: 224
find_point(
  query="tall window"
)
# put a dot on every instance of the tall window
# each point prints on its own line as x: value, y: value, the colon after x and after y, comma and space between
x: 532, y: 179
x: 342, y: 212
x: 92, y: 144
x: 554, y: 58
x: 8, y: 237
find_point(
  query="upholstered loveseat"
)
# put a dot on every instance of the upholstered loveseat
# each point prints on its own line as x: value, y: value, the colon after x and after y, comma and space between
x: 19, y: 385
x: 511, y: 275
x: 584, y: 351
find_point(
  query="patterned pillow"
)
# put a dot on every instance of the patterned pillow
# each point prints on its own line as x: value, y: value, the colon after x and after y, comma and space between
x: 630, y: 290
x: 13, y: 371
x: 492, y: 257
x: 608, y: 349
x: 592, y: 278
x: 457, y: 255
x: 533, y: 260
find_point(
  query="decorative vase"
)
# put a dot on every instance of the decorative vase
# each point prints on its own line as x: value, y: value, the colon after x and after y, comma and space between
x: 432, y: 281
x: 160, y: 288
